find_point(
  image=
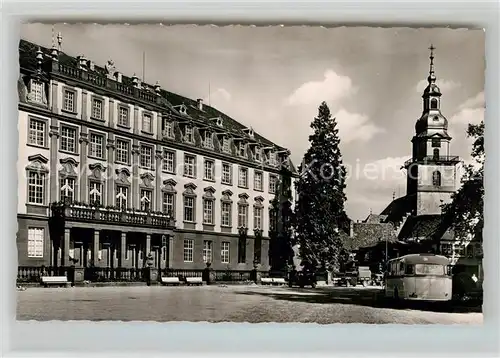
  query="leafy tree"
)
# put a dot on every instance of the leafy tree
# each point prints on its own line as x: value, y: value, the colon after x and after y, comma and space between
x: 465, y: 212
x: 319, y: 211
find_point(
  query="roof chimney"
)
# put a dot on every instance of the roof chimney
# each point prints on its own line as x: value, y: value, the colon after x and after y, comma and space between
x: 200, y: 104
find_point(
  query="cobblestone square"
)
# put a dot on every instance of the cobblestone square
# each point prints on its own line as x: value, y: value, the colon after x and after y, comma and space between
x: 324, y: 305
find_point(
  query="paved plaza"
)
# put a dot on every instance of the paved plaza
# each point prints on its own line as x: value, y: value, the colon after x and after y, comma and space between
x: 237, y: 303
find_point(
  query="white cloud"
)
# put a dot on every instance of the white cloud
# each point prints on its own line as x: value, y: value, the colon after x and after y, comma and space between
x: 331, y: 88
x: 355, y: 126
x: 444, y: 85
x: 218, y: 97
x: 381, y: 173
x: 474, y: 102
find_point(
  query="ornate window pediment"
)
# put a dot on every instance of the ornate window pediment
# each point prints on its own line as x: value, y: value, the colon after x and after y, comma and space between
x: 226, y: 196
x: 259, y: 202
x: 68, y: 167
x: 243, y: 199
x: 147, y: 179
x: 122, y: 175
x: 97, y: 169
x: 37, y: 163
x: 190, y: 189
x: 209, y: 193
x: 169, y: 186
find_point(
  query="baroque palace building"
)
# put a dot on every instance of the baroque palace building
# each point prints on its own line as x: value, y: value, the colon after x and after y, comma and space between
x: 112, y: 170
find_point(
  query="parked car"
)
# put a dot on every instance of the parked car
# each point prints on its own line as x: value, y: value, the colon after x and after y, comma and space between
x: 302, y: 279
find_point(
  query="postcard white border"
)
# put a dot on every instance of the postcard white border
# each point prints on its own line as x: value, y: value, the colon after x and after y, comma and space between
x: 167, y: 339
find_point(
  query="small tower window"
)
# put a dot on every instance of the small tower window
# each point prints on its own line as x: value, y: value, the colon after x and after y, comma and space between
x: 436, y: 178
x: 436, y: 143
x: 434, y: 103
x: 436, y: 153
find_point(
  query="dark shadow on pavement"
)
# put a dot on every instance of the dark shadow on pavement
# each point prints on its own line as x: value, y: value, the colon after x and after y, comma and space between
x: 362, y: 297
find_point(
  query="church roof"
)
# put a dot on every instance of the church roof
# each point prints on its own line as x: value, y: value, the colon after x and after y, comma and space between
x: 369, y: 234
x: 422, y: 226
x: 28, y: 61
x: 398, y: 209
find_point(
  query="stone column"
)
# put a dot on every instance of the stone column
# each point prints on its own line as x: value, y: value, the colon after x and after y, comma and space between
x: 111, y: 117
x: 54, y: 98
x: 148, y: 245
x: 123, y: 249
x: 95, y: 248
x: 83, y: 165
x: 85, y: 115
x: 137, y: 128
x: 65, y: 252
x: 54, y: 146
x: 110, y: 173
x: 135, y: 175
x: 159, y: 157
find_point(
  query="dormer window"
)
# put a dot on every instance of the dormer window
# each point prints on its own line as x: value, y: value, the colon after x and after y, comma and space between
x: 258, y: 154
x: 242, y: 150
x: 36, y: 91
x: 168, y: 129
x: 208, y: 140
x: 250, y: 133
x: 188, y: 137
x: 273, y: 159
x: 182, y: 109
x: 219, y: 122
x: 225, y: 145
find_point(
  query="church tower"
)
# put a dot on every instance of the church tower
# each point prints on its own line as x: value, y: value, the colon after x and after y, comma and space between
x: 432, y: 170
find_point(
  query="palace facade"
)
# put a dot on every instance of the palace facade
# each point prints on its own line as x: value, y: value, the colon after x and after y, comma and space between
x: 112, y: 170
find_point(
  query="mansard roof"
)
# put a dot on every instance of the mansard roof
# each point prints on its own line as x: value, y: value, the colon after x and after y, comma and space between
x: 28, y: 62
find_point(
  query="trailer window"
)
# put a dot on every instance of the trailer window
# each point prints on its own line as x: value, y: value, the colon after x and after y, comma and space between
x: 430, y: 269
x: 409, y: 269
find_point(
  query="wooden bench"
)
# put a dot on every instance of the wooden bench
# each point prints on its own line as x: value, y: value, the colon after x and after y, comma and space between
x: 170, y: 281
x: 194, y: 281
x: 266, y: 281
x: 279, y: 281
x: 61, y: 281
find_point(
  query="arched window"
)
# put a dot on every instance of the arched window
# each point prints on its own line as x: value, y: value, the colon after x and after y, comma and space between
x: 436, y: 178
x: 434, y: 103
x: 436, y: 153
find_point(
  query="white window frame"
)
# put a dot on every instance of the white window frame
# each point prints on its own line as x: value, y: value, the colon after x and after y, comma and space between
x: 242, y: 150
x: 168, y: 203
x: 225, y: 145
x: 36, y: 91
x: 207, y: 251
x: 189, y: 136
x: 146, y: 199
x: 209, y: 167
x: 122, y: 196
x: 169, y: 129
x: 36, y: 240
x: 226, y: 213
x: 227, y: 177
x: 97, y: 108
x: 122, y: 151
x: 258, y: 184
x: 273, y: 180
x: 147, y: 123
x: 96, y: 149
x: 208, y: 140
x: 189, y: 165
x: 69, y: 100
x: 95, y: 192
x: 208, y: 211
x: 123, y: 116
x: 68, y: 139
x: 225, y: 252
x: 242, y: 215
x: 243, y: 177
x: 67, y: 189
x: 37, y: 132
x: 189, y: 203
x: 257, y: 217
x: 36, y: 188
x: 146, y: 156
x: 169, y: 161
x: 188, y: 250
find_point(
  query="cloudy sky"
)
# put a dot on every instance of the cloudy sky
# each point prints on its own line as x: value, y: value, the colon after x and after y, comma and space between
x: 274, y: 78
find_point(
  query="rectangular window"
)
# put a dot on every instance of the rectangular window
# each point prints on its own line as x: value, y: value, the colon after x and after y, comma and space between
x: 169, y: 161
x: 95, y: 193
x: 207, y: 251
x: 121, y: 197
x: 146, y: 156
x: 96, y: 145
x: 243, y: 150
x: 146, y: 199
x: 37, y: 91
x: 188, y: 209
x: 36, y: 238
x: 168, y: 203
x: 67, y: 189
x: 226, y: 174
x: 168, y: 130
x: 209, y: 169
x: 258, y: 155
x: 68, y: 139
x: 243, y: 178
x: 242, y: 216
x: 226, y: 214
x: 189, y: 166
x: 123, y: 116
x: 188, y: 250
x: 69, y: 101
x: 208, y: 212
x: 225, y: 145
x: 257, y: 180
x: 273, y: 159
x: 122, y: 151
x: 37, y: 132
x: 272, y: 184
x: 436, y: 143
x: 257, y: 218
x: 224, y: 252
x: 147, y: 123
x: 97, y: 108
x: 208, y: 140
x: 189, y: 135
x: 36, y: 187
x: 272, y: 220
